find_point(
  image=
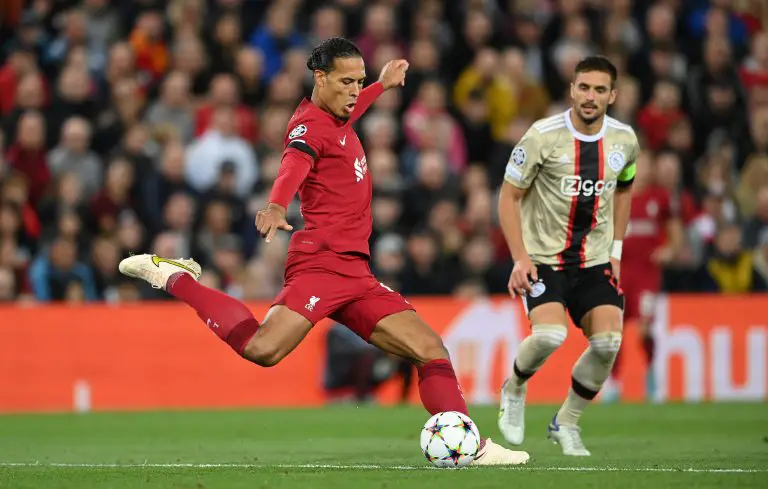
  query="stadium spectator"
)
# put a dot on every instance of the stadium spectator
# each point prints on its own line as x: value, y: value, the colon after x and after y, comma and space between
x: 758, y: 224
x: 160, y: 125
x: 72, y: 155
x: 27, y: 155
x: 276, y: 36
x: 249, y: 66
x: 660, y: 114
x: 219, y: 144
x: 429, y: 125
x: 173, y: 111
x: 55, y: 272
x: 30, y: 96
x: 147, y: 40
x: 224, y: 93
x: 21, y: 61
x: 73, y: 33
x: 730, y: 269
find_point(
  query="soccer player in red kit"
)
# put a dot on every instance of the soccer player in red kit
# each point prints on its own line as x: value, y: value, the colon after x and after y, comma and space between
x: 654, y: 236
x: 327, y: 270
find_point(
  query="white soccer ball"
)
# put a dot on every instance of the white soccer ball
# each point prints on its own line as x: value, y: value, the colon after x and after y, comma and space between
x: 450, y: 439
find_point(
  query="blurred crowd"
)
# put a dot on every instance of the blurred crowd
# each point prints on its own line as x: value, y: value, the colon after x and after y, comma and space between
x: 132, y: 126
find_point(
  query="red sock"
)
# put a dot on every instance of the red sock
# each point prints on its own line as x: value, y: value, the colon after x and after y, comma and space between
x: 439, y: 388
x: 226, y: 316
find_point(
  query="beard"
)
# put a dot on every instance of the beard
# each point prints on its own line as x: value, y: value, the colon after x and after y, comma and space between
x: 589, y: 120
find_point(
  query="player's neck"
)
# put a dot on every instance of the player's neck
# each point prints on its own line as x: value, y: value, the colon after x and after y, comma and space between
x: 315, y: 98
x: 584, y: 128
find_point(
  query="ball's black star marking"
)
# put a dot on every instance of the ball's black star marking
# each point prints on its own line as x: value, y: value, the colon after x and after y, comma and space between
x: 453, y: 454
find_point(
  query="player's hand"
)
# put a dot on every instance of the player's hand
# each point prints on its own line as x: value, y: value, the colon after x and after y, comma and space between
x: 616, y: 267
x: 269, y: 220
x: 393, y: 74
x: 523, y: 273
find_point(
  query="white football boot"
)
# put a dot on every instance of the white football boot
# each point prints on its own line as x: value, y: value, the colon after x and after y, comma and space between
x: 494, y: 454
x: 568, y: 437
x: 157, y: 270
x: 512, y: 415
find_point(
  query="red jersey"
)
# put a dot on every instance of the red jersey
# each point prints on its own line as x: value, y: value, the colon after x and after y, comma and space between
x: 651, y: 209
x: 336, y: 194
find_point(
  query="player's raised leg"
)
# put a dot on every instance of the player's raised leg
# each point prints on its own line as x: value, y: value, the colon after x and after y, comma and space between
x: 548, y: 332
x: 281, y: 331
x: 263, y: 344
x: 603, y: 326
x: 406, y: 335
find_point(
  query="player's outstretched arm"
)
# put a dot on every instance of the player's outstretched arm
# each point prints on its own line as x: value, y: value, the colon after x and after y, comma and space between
x: 510, y: 199
x: 294, y: 168
x: 271, y: 219
x: 392, y: 75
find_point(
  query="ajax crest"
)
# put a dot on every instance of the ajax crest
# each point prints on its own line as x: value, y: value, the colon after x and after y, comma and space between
x: 616, y: 160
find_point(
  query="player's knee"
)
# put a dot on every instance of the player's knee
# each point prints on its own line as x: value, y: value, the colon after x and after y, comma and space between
x: 429, y: 348
x: 606, y: 345
x: 549, y: 336
x: 263, y: 353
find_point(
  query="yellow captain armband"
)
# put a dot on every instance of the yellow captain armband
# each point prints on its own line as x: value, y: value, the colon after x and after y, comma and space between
x: 627, y: 176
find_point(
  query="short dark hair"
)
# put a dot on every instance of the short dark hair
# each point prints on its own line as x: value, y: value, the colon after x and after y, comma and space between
x: 597, y: 63
x: 324, y: 54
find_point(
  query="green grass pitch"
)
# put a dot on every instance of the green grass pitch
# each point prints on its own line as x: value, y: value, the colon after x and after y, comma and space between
x: 633, y: 446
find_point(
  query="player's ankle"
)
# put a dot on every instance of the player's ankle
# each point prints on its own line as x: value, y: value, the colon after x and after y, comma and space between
x: 565, y: 419
x: 173, y: 279
x: 513, y: 388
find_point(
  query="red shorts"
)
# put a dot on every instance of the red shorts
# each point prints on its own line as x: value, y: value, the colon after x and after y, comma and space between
x: 341, y: 287
x: 640, y: 292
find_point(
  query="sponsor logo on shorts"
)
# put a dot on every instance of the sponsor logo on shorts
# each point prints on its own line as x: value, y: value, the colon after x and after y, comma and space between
x: 310, y: 306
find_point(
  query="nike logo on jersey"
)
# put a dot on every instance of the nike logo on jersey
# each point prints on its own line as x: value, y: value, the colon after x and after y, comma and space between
x: 564, y: 160
x: 343, y: 141
x: 158, y: 260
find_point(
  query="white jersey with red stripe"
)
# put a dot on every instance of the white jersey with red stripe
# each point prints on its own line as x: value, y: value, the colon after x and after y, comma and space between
x: 567, y: 214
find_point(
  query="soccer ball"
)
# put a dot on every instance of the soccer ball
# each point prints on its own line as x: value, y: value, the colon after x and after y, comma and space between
x: 450, y: 439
